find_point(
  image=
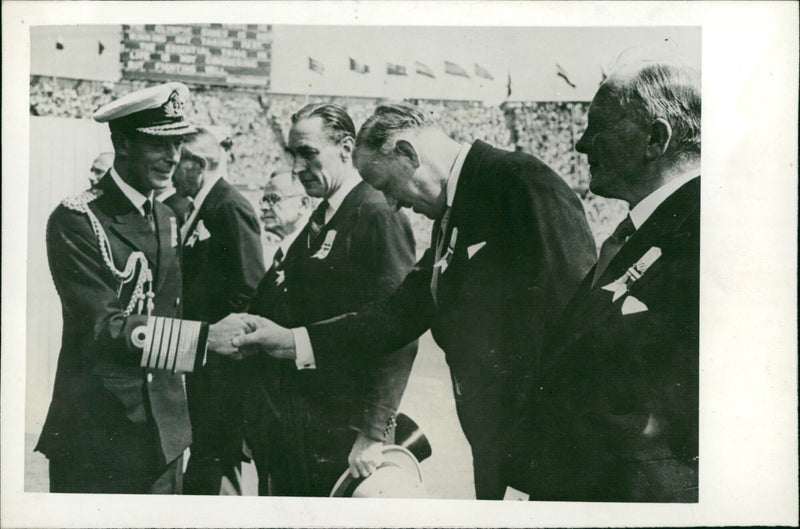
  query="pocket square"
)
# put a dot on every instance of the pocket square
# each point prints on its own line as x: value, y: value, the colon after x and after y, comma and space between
x: 631, y: 305
x: 472, y: 250
x: 202, y: 231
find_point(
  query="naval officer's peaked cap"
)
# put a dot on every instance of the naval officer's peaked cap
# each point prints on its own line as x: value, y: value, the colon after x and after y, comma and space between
x: 157, y: 111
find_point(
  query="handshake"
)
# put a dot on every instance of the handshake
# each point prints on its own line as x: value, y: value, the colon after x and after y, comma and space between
x: 239, y: 336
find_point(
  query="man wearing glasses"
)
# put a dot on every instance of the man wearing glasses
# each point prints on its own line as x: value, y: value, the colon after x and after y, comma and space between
x: 301, y: 423
x: 285, y: 208
x: 222, y: 265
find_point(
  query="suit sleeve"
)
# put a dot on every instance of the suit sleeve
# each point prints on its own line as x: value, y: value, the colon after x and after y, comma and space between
x: 244, y: 266
x: 88, y: 290
x: 380, y: 327
x: 391, y: 247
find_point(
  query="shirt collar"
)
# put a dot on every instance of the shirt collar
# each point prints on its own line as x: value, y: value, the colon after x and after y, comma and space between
x: 197, y: 201
x: 642, y: 211
x: 455, y: 173
x: 338, y: 196
x: 136, y: 198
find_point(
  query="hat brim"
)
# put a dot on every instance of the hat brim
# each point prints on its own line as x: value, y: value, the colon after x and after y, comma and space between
x: 394, y: 455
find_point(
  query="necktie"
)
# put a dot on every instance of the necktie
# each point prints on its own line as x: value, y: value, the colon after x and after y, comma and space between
x: 189, y: 211
x: 316, y: 222
x: 612, y: 245
x: 440, y: 246
x: 277, y: 266
x: 277, y: 260
x: 147, y: 208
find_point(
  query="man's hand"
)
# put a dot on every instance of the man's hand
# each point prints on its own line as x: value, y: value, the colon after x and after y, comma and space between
x: 266, y: 337
x: 366, y: 456
x: 222, y: 333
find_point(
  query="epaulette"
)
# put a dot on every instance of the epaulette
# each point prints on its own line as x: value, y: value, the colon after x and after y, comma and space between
x: 136, y: 261
x: 80, y: 202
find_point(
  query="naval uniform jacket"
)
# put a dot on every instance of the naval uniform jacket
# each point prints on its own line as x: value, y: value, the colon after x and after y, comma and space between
x: 102, y: 400
x: 222, y: 265
x: 522, y: 244
x: 616, y: 409
x: 371, y: 249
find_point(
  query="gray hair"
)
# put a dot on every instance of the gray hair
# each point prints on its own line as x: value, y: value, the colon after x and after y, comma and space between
x: 666, y: 91
x: 388, y: 120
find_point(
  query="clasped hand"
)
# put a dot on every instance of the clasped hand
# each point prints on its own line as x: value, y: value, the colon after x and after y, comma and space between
x: 241, y: 335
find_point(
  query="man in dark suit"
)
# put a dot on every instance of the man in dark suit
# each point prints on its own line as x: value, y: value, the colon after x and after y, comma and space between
x: 615, y: 412
x: 222, y: 265
x: 353, y: 250
x: 118, y: 420
x: 510, y: 244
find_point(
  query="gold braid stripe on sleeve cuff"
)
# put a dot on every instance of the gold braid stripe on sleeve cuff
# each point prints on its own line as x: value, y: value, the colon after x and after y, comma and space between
x: 171, y: 344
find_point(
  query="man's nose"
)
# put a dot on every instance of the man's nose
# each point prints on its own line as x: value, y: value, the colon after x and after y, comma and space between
x: 581, y: 146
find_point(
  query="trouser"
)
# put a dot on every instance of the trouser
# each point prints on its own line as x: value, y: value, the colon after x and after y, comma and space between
x: 75, y: 475
x: 215, y: 463
x: 212, y: 476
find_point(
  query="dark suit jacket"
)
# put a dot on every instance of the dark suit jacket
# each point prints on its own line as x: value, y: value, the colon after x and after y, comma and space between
x: 522, y: 246
x: 372, y: 251
x: 103, y: 400
x: 221, y: 269
x: 616, y: 410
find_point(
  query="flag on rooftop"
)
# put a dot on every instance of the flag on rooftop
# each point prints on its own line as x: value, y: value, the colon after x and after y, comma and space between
x: 454, y: 69
x: 423, y: 69
x: 562, y: 73
x: 509, y: 85
x: 395, y: 69
x: 480, y: 71
x: 358, y: 67
x: 316, y: 66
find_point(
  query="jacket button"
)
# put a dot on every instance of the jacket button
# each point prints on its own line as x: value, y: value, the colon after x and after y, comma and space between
x: 149, y: 378
x: 534, y: 464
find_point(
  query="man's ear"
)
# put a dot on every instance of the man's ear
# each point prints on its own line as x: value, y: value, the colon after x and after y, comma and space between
x: 405, y: 149
x: 347, y: 145
x: 306, y: 202
x: 659, y: 138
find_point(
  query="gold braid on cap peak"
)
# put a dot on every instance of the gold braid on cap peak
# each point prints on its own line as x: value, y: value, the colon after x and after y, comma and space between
x: 80, y: 203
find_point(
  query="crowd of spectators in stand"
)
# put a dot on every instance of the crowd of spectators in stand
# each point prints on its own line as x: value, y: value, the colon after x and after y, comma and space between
x: 259, y: 122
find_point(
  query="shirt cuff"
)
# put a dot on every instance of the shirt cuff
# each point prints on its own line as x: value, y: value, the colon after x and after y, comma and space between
x: 303, y: 351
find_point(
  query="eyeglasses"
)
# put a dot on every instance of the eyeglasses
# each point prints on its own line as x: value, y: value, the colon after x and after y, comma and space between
x: 269, y: 201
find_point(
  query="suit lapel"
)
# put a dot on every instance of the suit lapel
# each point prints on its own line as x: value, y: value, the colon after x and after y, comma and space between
x: 592, y: 306
x: 127, y: 222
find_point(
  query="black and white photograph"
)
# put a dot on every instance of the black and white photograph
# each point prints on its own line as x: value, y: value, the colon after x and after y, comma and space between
x: 398, y: 264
